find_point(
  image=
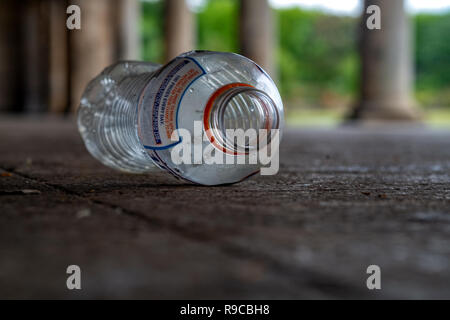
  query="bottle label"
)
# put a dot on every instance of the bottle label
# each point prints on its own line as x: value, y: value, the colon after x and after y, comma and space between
x: 161, y: 100
x: 159, y: 104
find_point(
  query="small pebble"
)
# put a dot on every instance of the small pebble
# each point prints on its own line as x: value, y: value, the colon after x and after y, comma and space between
x: 83, y: 213
x: 30, y: 191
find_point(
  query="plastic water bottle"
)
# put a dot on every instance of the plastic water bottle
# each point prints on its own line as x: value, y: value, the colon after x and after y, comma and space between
x: 131, y: 116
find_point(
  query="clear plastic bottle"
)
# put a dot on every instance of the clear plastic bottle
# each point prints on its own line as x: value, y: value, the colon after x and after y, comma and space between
x: 129, y: 113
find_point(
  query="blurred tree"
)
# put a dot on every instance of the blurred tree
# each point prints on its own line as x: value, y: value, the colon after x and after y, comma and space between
x: 433, y: 50
x: 217, y: 26
x: 152, y: 35
x: 317, y: 52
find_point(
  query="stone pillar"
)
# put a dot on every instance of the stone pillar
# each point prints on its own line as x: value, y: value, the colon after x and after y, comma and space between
x: 178, y: 28
x: 256, y: 33
x: 59, y: 57
x: 36, y: 59
x: 92, y: 48
x: 386, y: 66
x: 11, y: 96
x: 127, y: 15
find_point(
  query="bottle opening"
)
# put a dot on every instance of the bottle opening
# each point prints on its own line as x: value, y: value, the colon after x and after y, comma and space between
x: 238, y: 118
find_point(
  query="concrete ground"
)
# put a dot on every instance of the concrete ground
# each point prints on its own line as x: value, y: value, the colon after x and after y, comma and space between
x: 344, y: 199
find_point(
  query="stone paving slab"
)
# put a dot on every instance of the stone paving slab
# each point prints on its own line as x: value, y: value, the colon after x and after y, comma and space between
x: 344, y: 199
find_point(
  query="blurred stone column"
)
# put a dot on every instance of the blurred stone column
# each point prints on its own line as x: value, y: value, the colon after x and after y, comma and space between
x: 59, y: 57
x: 127, y: 14
x: 256, y: 33
x: 35, y: 36
x: 386, y: 69
x: 11, y: 97
x: 92, y: 48
x: 178, y: 28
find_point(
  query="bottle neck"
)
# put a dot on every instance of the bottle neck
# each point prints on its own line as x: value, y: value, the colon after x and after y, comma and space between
x: 239, y: 118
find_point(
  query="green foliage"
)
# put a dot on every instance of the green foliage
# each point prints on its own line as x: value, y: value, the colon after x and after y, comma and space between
x: 151, y: 24
x: 432, y: 50
x: 432, y: 59
x: 317, y: 52
x: 217, y: 26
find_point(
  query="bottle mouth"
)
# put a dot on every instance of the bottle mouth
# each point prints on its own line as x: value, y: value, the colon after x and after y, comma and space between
x: 239, y: 119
